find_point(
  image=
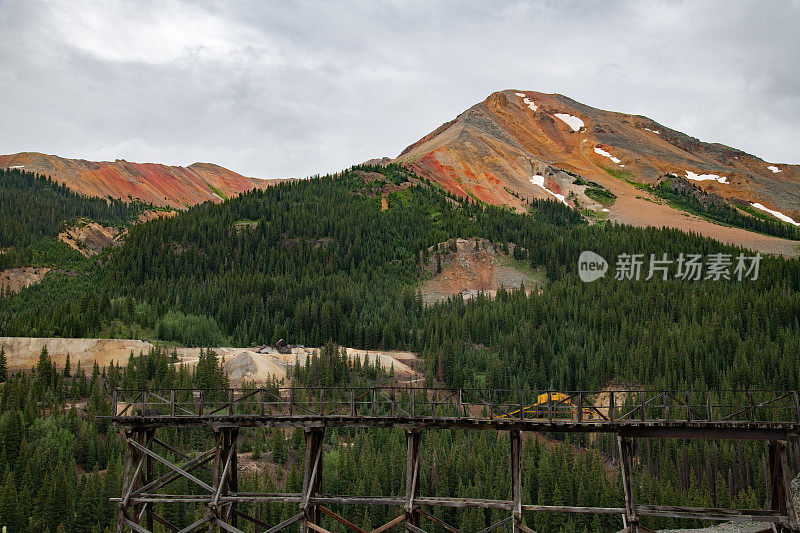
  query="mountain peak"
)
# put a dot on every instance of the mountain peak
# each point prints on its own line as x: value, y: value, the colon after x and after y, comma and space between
x: 520, y: 144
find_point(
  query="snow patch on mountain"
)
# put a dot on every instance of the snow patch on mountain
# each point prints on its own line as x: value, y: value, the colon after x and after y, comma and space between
x: 774, y: 169
x: 527, y: 101
x: 654, y: 131
x: 776, y: 214
x: 705, y: 177
x: 539, y: 180
x: 602, y: 152
x: 573, y: 122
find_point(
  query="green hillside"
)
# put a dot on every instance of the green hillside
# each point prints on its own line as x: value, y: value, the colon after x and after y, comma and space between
x: 318, y: 262
x: 34, y: 209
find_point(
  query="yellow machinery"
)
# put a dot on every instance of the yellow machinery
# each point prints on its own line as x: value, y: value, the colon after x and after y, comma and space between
x: 561, y: 404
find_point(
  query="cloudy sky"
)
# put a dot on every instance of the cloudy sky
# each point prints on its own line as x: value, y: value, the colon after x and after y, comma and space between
x: 273, y: 89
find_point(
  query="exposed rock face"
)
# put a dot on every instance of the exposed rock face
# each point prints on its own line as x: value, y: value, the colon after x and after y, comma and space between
x: 468, y: 267
x: 380, y: 161
x: 160, y: 185
x: 89, y: 238
x: 16, y: 279
x: 495, y: 147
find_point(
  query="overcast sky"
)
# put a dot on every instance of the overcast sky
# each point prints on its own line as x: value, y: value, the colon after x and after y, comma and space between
x: 273, y: 89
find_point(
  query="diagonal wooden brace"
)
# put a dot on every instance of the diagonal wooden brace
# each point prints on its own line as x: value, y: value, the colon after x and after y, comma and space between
x: 171, y: 466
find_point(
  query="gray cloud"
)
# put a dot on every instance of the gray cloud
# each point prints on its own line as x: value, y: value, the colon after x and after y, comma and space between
x: 295, y: 88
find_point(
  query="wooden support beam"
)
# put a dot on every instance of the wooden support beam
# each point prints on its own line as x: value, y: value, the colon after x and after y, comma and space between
x: 312, y: 475
x: 233, y: 480
x: 341, y: 520
x: 132, y: 482
x: 249, y: 518
x: 171, y: 466
x: 135, y: 527
x: 516, y: 478
x: 389, y: 525
x: 286, y: 523
x: 219, y: 450
x: 497, y: 525
x: 134, y: 478
x: 630, y: 520
x: 705, y: 513
x: 223, y: 478
x: 786, y: 475
x: 227, y: 527
x: 169, y: 477
x: 314, y: 527
x: 775, y: 498
x: 191, y: 527
x: 178, y: 452
x: 148, y: 477
x: 413, y: 439
x: 164, y: 522
x: 444, y: 525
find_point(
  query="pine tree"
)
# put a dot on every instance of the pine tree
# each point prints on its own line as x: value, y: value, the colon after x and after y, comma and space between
x: 256, y: 453
x: 9, y: 512
x: 279, y: 451
x: 44, y: 366
x: 87, y: 513
x: 59, y: 500
x: 14, y: 435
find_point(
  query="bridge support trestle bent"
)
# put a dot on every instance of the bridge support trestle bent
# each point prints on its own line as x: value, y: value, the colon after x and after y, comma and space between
x: 312, y: 478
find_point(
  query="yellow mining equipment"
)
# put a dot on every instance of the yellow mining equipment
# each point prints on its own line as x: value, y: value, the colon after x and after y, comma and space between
x: 553, y: 405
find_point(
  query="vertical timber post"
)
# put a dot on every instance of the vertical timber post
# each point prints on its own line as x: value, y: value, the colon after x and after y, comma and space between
x: 225, y: 473
x: 138, y: 470
x: 148, y: 477
x: 233, y: 484
x: 779, y: 493
x: 516, y: 478
x: 413, y: 439
x: 312, y: 476
x: 126, y: 479
x: 219, y: 454
x: 774, y: 495
x: 631, y: 521
x: 136, y: 482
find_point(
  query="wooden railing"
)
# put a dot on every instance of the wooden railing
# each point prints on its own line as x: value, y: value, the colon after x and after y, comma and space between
x: 587, y: 407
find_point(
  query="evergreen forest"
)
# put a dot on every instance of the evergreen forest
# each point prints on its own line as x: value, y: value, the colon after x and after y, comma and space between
x: 321, y: 262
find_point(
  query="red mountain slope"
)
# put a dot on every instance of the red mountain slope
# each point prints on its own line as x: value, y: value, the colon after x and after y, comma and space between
x: 522, y: 142
x: 161, y: 185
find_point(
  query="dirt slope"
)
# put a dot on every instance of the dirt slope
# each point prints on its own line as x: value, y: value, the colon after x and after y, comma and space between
x: 17, y: 279
x: 470, y: 267
x: 23, y: 352
x: 89, y: 238
x: 514, y: 137
x: 251, y: 364
x: 160, y: 185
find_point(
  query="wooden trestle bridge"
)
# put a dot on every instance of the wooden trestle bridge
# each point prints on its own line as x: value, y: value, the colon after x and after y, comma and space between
x: 751, y: 415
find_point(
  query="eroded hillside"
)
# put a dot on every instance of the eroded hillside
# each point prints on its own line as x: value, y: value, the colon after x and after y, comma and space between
x: 526, y: 144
